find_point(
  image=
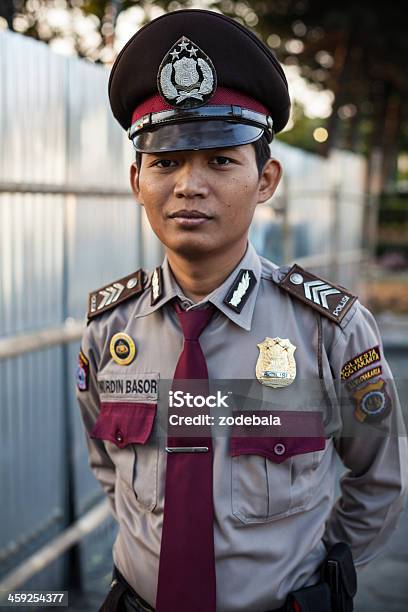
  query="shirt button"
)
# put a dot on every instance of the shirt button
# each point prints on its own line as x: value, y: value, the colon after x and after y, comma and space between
x: 279, y: 449
x: 118, y: 436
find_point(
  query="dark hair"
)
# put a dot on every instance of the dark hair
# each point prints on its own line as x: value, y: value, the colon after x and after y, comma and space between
x: 262, y: 154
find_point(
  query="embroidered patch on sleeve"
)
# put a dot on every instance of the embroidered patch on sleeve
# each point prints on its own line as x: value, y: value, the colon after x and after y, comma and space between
x: 357, y: 363
x: 373, y: 403
x: 82, y: 373
x: 356, y: 382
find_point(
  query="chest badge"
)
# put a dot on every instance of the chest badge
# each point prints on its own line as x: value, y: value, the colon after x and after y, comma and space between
x: 276, y: 366
x: 122, y: 348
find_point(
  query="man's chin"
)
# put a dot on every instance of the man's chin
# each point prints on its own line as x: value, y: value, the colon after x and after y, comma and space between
x: 193, y: 247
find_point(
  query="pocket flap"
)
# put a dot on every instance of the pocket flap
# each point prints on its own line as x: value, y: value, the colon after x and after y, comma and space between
x: 125, y: 423
x: 278, y: 448
x: 273, y: 448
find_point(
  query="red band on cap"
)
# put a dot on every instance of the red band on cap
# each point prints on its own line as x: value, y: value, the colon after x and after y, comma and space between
x: 222, y: 96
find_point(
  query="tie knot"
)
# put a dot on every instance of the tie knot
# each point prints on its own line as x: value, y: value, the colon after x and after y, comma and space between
x: 193, y: 322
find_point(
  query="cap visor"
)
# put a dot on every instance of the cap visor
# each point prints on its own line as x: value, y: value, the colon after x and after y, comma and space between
x: 196, y: 135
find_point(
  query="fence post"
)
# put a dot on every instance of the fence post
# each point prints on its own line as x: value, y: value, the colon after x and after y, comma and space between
x: 73, y: 561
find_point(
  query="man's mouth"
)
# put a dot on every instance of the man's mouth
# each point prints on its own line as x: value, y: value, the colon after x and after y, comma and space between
x: 189, y: 214
x: 189, y: 218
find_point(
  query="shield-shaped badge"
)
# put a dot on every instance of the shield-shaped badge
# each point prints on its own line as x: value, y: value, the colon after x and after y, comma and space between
x: 276, y: 366
x: 373, y: 403
x: 186, y: 77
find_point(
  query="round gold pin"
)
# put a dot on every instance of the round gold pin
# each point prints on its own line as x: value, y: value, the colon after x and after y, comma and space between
x: 122, y: 348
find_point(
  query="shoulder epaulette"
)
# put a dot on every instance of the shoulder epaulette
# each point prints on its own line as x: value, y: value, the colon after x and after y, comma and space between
x: 332, y: 301
x: 115, y: 293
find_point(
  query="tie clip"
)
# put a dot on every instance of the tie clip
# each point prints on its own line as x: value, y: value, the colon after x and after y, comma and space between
x: 187, y: 449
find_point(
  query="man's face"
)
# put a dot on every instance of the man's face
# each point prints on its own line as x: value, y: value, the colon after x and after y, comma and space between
x: 202, y: 202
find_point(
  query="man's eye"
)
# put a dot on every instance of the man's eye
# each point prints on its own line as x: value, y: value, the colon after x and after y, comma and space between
x: 164, y: 163
x: 221, y: 160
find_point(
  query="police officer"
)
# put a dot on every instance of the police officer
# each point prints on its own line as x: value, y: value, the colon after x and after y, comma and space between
x: 235, y: 518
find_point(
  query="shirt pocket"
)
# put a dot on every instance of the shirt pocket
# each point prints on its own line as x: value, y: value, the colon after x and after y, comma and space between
x: 272, y: 477
x: 127, y: 430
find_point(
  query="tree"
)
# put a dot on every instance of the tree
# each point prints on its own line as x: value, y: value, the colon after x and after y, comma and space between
x: 31, y: 18
x: 357, y: 50
x: 301, y: 134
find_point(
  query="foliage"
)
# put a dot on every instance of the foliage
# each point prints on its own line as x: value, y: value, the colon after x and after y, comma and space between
x: 301, y: 134
x: 357, y: 50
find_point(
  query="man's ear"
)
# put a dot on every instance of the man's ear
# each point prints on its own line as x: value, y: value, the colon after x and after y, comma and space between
x: 134, y: 182
x: 269, y: 179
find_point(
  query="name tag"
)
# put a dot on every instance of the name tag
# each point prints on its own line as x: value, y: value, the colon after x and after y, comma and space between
x: 142, y: 386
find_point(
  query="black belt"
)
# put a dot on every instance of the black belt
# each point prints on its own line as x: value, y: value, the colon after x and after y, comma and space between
x: 334, y: 592
x: 132, y: 602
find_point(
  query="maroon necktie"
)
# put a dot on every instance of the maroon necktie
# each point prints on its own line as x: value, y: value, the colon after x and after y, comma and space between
x: 187, y: 565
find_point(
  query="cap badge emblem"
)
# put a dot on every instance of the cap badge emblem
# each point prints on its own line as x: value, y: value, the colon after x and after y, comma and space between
x: 276, y: 366
x: 186, y: 77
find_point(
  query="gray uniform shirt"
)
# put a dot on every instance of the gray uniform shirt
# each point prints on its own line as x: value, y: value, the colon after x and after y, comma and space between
x: 274, y: 514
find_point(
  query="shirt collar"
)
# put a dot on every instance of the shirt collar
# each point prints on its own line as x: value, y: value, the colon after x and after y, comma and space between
x: 171, y: 289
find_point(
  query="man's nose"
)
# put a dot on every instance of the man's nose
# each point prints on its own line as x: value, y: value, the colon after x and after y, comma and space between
x: 191, y: 182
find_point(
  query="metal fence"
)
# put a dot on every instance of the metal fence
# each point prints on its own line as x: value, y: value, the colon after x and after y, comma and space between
x: 316, y: 216
x: 68, y: 225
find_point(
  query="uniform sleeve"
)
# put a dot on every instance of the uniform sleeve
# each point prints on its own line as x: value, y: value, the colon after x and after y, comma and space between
x: 372, y: 443
x: 88, y: 399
